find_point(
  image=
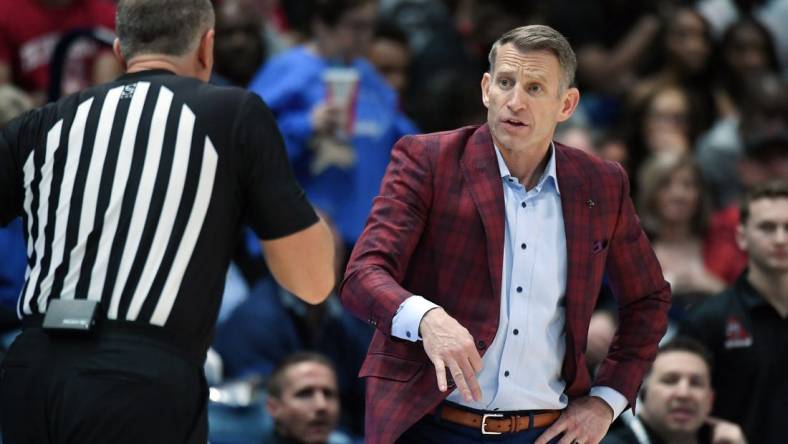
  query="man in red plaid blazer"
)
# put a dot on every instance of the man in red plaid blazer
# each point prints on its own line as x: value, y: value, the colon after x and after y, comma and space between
x: 443, y: 241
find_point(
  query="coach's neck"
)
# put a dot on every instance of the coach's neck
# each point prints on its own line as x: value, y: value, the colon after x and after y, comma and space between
x: 197, y: 62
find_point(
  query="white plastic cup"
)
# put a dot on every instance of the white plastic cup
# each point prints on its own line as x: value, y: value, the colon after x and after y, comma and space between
x: 341, y: 91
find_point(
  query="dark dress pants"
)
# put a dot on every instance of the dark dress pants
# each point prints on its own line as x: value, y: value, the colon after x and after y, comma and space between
x: 114, y: 388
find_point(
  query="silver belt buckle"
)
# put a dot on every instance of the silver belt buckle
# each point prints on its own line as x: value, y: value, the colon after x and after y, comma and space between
x: 484, y: 423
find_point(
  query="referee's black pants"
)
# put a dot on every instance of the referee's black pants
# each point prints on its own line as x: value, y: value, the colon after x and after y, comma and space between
x: 106, y: 388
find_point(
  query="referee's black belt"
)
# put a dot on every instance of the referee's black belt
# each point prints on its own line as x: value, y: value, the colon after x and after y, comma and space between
x: 190, y: 350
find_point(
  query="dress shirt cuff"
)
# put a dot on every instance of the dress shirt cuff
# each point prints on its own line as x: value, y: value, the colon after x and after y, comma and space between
x: 405, y: 324
x: 612, y: 397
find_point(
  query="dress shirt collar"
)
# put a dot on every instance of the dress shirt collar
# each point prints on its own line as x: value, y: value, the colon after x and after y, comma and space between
x: 548, y: 175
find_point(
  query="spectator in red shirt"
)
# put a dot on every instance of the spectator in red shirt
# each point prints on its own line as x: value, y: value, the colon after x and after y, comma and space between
x: 29, y: 32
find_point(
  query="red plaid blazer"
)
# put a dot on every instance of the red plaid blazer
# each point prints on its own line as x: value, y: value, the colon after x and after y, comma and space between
x: 437, y: 230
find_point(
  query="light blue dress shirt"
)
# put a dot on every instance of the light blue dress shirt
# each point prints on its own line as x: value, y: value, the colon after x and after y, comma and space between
x: 522, y: 367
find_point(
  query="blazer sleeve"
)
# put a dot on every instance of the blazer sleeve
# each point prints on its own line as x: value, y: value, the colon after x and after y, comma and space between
x: 372, y: 288
x: 643, y: 300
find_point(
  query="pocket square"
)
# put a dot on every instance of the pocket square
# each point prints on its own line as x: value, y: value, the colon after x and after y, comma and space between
x: 598, y: 246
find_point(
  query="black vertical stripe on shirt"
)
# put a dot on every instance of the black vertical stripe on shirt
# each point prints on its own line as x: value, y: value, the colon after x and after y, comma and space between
x: 53, y: 203
x: 51, y: 144
x: 155, y: 201
x: 187, y: 201
x: 136, y: 95
x: 130, y: 195
x: 156, y: 208
x: 32, y: 218
x: 73, y: 225
x: 71, y: 152
x: 102, y: 202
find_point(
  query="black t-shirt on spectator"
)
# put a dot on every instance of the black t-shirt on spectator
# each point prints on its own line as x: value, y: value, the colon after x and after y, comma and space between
x: 749, y: 341
x: 627, y: 434
x: 133, y: 193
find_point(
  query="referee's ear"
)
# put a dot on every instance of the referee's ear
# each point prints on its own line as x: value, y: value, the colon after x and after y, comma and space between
x: 118, y: 54
x: 204, y: 60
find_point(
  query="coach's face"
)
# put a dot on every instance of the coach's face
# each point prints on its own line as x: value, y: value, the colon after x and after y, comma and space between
x: 525, y: 99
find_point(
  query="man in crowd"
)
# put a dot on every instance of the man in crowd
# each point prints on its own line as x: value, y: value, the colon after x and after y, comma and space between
x: 390, y: 54
x: 303, y: 400
x: 676, y: 401
x: 481, y: 263
x: 240, y: 46
x: 746, y: 326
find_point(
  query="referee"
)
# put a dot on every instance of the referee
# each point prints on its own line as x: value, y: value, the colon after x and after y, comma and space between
x: 132, y: 195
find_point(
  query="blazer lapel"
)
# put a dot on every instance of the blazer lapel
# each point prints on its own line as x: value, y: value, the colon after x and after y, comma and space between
x: 480, y: 170
x: 578, y: 203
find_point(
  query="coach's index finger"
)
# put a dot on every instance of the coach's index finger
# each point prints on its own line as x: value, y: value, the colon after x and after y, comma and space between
x: 473, y: 382
x: 459, y: 379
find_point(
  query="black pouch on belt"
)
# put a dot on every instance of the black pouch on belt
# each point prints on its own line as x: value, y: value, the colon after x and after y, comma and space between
x: 73, y: 315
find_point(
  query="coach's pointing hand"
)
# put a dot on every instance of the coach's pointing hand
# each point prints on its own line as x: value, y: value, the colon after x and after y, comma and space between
x: 449, y: 345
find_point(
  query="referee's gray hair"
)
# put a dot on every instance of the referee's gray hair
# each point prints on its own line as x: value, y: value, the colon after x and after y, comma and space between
x: 171, y: 27
x: 539, y: 38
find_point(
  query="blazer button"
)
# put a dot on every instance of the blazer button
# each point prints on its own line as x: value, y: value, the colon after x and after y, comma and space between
x: 481, y: 345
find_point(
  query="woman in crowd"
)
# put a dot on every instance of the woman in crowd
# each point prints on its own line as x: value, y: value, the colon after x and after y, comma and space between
x: 674, y: 209
x: 666, y: 121
x: 685, y: 57
x: 747, y: 48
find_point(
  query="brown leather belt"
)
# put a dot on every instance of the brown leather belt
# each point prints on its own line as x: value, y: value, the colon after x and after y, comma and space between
x: 497, y: 423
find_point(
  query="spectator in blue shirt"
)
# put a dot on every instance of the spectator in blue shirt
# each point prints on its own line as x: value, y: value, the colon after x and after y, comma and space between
x: 341, y: 175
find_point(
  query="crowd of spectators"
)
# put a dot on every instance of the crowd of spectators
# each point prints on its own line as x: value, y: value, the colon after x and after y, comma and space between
x: 691, y: 97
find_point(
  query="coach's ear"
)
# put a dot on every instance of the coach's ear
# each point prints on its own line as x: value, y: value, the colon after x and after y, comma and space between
x: 118, y: 53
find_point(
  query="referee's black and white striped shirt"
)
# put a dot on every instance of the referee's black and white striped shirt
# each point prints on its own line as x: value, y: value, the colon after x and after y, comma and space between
x: 133, y: 192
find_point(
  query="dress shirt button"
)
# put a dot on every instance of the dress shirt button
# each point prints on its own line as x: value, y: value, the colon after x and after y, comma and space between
x: 516, y: 331
x: 523, y: 245
x: 407, y: 333
x: 523, y: 205
x: 519, y: 289
x: 506, y: 373
x: 480, y: 344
